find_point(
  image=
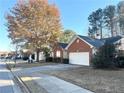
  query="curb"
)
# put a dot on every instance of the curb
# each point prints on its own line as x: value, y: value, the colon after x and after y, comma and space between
x: 19, y: 80
x: 26, y: 89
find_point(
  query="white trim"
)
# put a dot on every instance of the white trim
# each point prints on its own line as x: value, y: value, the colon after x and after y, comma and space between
x: 75, y: 39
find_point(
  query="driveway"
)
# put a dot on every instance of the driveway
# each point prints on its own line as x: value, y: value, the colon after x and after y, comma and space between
x: 58, y: 67
x: 7, y: 84
x: 47, y: 83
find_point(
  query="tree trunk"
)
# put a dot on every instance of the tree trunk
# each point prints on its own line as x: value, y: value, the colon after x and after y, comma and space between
x: 37, y: 55
x: 15, y: 55
x: 112, y: 34
x: 101, y: 32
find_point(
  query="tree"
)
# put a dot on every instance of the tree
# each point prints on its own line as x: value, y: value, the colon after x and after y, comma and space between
x: 100, y: 21
x: 96, y: 23
x: 120, y: 10
x: 92, y: 32
x: 104, y: 57
x: 47, y: 52
x: 16, y: 52
x: 93, y: 24
x: 35, y: 23
x: 66, y: 36
x: 109, y: 14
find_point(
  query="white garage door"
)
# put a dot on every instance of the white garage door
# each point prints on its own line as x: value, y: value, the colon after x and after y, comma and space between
x: 81, y: 58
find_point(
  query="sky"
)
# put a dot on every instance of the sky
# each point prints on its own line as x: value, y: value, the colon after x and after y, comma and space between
x: 73, y: 13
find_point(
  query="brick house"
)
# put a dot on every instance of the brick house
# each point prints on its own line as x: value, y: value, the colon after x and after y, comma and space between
x: 81, y: 49
x: 59, y: 51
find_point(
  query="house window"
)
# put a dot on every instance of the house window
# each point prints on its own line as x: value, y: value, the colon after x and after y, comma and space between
x: 77, y: 40
x: 57, y: 53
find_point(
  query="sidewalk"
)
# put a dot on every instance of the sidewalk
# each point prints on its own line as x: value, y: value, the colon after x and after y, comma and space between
x: 55, y: 85
x: 7, y: 84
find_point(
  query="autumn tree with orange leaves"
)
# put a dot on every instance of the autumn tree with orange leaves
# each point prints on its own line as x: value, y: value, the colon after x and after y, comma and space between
x: 35, y: 23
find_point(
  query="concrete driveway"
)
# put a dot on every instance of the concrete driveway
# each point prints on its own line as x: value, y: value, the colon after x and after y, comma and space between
x: 44, y: 68
x: 49, y: 83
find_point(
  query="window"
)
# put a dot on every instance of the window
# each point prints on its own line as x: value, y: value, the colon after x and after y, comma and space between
x: 57, y: 53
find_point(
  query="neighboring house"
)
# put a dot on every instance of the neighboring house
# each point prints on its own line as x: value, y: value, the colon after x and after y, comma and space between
x: 119, y: 42
x: 27, y: 52
x: 5, y: 53
x: 59, y: 51
x: 41, y: 56
x: 121, y: 47
x: 82, y: 48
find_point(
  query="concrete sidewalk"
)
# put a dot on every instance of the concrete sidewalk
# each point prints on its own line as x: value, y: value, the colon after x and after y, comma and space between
x: 7, y: 84
x: 55, y: 85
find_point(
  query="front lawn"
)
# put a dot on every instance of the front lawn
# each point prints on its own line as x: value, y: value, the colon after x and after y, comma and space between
x: 99, y: 81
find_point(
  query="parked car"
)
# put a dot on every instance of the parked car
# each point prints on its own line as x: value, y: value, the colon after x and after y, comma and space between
x: 2, y: 57
x: 8, y: 57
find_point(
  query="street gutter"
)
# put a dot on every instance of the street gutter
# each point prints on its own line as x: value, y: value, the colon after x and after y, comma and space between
x: 23, y: 86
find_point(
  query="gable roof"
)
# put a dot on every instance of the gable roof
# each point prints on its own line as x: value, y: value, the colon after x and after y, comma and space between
x: 111, y: 40
x: 63, y: 45
x: 94, y: 42
x: 74, y: 38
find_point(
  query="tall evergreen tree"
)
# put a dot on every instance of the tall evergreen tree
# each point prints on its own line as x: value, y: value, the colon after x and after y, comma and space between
x: 96, y: 23
x: 93, y: 24
x: 100, y: 21
x: 109, y: 14
x: 120, y: 11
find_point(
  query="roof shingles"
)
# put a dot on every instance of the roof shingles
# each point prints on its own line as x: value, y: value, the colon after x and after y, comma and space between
x: 63, y: 45
x: 100, y: 42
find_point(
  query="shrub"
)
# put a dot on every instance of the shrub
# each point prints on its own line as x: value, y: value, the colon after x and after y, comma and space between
x: 58, y: 59
x: 25, y: 58
x: 49, y: 59
x: 66, y: 61
x: 119, y: 62
x: 104, y: 57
